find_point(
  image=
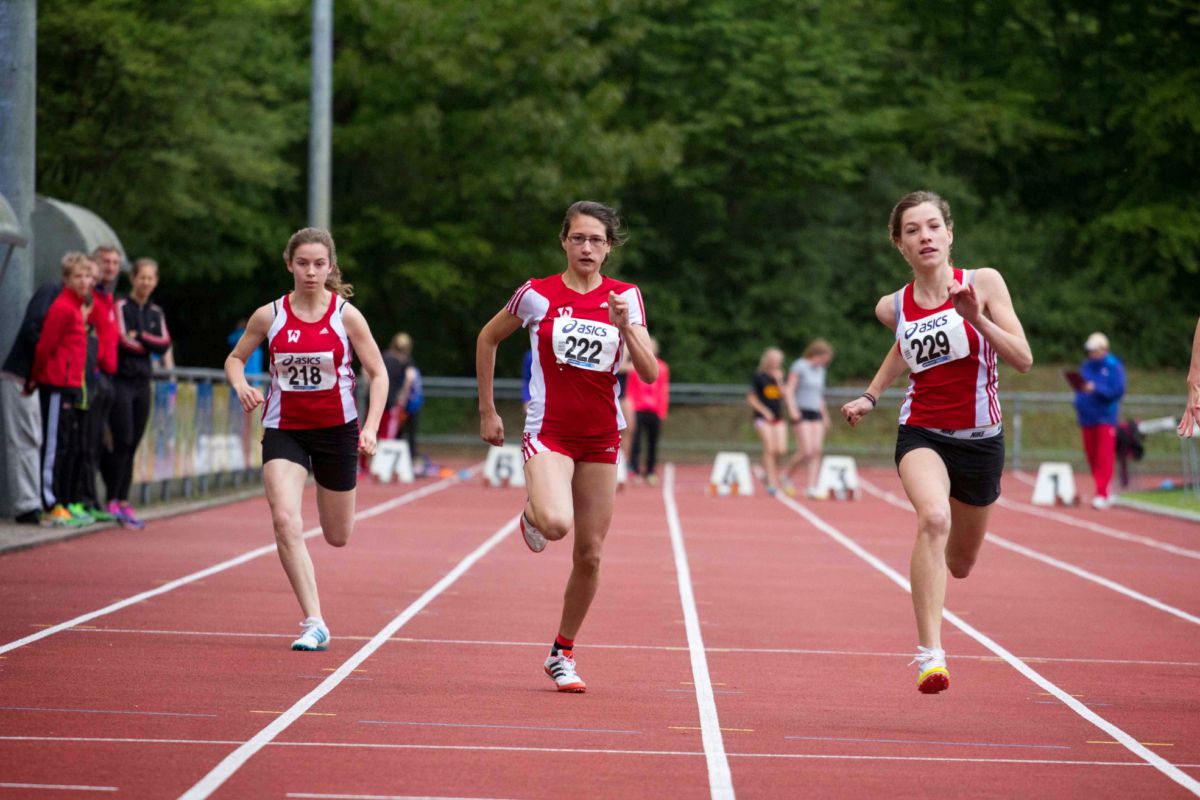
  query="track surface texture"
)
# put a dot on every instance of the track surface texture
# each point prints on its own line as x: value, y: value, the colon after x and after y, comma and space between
x: 753, y: 647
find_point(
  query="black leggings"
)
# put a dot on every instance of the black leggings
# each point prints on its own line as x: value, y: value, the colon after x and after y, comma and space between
x: 60, y: 462
x: 648, y: 425
x: 131, y: 409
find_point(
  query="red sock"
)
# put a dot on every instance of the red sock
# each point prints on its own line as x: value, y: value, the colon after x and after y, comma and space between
x: 562, y: 646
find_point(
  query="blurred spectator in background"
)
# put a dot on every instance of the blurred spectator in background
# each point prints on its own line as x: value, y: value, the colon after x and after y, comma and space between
x: 100, y: 326
x: 766, y: 399
x: 1191, y: 412
x: 24, y: 431
x: 57, y: 371
x: 526, y: 377
x: 254, y: 364
x: 406, y: 396
x: 805, y: 396
x: 143, y: 332
x: 627, y: 409
x: 95, y: 441
x: 1097, y: 402
x: 650, y: 402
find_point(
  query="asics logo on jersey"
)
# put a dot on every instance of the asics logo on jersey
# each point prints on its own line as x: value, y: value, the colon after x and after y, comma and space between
x: 299, y: 360
x: 585, y: 329
x: 293, y: 336
x: 926, y: 326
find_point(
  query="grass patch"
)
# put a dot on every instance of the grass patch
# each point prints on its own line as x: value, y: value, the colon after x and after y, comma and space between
x: 1178, y: 499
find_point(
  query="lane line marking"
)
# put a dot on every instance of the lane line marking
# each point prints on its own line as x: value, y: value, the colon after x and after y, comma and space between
x: 1103, y: 530
x: 224, y: 565
x: 591, y: 751
x: 104, y: 711
x: 1158, y: 762
x: 381, y: 797
x: 1145, y: 744
x: 698, y: 728
x: 720, y: 780
x: 231, y: 763
x: 58, y: 786
x: 926, y: 741
x: 592, y: 646
x: 481, y: 725
x: 307, y: 713
x: 1100, y: 580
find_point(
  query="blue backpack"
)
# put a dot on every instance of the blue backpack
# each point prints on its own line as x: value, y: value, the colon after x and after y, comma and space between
x: 416, y: 394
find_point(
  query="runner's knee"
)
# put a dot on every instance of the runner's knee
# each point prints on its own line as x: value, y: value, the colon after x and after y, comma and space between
x: 959, y: 565
x: 934, y: 523
x: 554, y: 525
x: 587, y: 561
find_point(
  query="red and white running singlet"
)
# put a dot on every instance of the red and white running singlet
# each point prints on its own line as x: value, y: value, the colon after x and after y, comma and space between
x: 573, y: 389
x: 312, y: 381
x: 952, y: 379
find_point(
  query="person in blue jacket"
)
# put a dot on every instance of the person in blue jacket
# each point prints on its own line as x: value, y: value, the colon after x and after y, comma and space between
x: 1096, y: 406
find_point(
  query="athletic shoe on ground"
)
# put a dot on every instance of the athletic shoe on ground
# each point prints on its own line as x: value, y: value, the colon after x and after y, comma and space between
x: 78, y: 515
x: 57, y: 517
x: 534, y: 539
x: 932, y: 675
x: 129, y: 518
x: 33, y: 517
x: 652, y: 479
x: 1101, y: 503
x: 816, y: 494
x: 561, y: 670
x: 100, y: 515
x: 315, y: 636
x: 114, y: 508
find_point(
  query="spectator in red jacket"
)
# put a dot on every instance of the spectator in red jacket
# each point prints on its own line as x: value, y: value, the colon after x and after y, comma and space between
x: 59, y: 363
x: 650, y: 402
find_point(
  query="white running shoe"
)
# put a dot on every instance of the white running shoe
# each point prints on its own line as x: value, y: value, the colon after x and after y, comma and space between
x: 932, y: 675
x: 534, y: 539
x: 561, y: 670
x: 1101, y: 503
x: 315, y: 636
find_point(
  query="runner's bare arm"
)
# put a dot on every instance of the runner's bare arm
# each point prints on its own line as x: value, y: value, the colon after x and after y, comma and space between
x: 235, y: 365
x: 637, y: 339
x: 497, y: 329
x: 987, y: 305
x: 359, y: 333
x: 893, y: 366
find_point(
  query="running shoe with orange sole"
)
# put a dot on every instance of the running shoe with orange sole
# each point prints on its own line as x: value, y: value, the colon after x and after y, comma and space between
x: 561, y: 670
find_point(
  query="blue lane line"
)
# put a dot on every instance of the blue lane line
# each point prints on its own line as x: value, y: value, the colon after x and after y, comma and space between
x: 511, y: 727
x: 923, y: 741
x: 105, y: 711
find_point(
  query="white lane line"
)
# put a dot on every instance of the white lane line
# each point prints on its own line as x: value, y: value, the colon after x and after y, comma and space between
x: 720, y: 780
x: 231, y: 763
x: 224, y: 565
x: 1112, y: 585
x: 1096, y: 527
x: 382, y: 797
x: 58, y: 787
x: 479, y: 725
x: 1133, y: 745
x: 583, y: 750
x: 929, y: 741
x: 103, y: 711
x: 794, y: 651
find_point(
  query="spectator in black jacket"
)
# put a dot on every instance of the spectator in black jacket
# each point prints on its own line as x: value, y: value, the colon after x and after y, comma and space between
x: 143, y: 332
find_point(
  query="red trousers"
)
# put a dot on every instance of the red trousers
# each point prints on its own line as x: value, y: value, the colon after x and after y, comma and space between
x: 1100, y: 444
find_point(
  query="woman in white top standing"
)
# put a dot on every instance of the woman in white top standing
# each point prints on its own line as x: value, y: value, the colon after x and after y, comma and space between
x: 805, y: 395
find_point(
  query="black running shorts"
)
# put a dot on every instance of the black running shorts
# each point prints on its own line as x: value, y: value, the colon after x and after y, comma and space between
x: 331, y: 453
x: 974, y: 465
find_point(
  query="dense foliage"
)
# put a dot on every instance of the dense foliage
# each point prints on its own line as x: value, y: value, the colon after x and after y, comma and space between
x: 755, y: 149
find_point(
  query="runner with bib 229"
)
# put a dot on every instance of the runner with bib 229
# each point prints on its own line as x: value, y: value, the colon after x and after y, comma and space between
x: 950, y: 326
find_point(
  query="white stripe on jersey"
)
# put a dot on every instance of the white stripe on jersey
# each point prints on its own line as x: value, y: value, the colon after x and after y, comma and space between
x: 273, y: 408
x: 345, y: 369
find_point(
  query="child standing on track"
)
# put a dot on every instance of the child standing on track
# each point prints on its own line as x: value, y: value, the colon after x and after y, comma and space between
x: 766, y: 400
x: 309, y: 416
x: 950, y: 325
x: 579, y: 323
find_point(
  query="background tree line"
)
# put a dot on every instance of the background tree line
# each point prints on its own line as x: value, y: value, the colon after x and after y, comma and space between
x: 754, y: 148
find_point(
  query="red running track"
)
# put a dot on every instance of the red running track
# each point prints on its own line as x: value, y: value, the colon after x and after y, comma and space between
x: 746, y: 647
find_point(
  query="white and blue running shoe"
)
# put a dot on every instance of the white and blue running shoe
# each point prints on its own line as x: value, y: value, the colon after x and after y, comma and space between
x: 315, y: 636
